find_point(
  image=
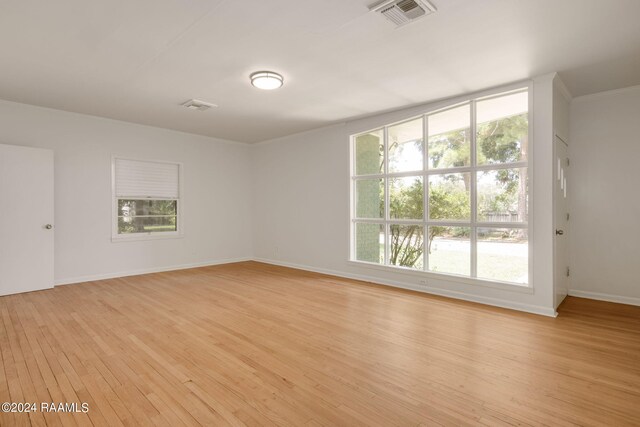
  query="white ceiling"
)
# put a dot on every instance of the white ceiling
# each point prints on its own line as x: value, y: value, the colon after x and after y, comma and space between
x: 139, y: 60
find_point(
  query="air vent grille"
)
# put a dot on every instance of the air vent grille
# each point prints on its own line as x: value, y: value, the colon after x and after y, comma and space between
x: 198, y: 105
x: 408, y: 5
x: 401, y: 12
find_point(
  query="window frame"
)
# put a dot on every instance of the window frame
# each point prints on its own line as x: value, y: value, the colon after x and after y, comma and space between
x: 158, y: 235
x: 424, y: 274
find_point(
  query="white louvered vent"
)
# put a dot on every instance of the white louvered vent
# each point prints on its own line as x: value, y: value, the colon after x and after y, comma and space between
x: 139, y: 179
x: 198, y: 105
x: 401, y: 12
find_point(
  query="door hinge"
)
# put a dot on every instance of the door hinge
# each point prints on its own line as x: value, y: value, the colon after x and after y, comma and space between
x: 567, y: 216
x: 568, y: 161
x: 568, y: 272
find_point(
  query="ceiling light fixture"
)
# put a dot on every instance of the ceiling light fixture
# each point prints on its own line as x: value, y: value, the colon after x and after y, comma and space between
x: 266, y: 80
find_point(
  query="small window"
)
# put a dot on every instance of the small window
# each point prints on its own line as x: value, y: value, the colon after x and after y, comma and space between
x: 146, y: 199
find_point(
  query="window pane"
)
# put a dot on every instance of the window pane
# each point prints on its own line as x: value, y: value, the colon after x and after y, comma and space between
x: 130, y: 208
x: 406, y: 246
x: 449, y: 138
x: 369, y: 153
x: 406, y: 152
x: 370, y: 242
x: 370, y: 198
x: 502, y: 195
x: 449, y: 250
x: 406, y: 197
x: 449, y: 196
x: 503, y: 129
x: 146, y: 224
x: 503, y: 254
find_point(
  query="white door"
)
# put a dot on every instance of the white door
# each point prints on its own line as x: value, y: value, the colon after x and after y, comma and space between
x: 26, y: 219
x: 561, y: 214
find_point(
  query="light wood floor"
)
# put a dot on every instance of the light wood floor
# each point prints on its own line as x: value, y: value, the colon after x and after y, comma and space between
x: 254, y: 344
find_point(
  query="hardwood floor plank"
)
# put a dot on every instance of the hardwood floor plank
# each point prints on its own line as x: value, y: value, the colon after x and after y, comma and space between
x: 254, y: 344
x: 27, y: 388
x: 8, y: 375
x: 38, y: 368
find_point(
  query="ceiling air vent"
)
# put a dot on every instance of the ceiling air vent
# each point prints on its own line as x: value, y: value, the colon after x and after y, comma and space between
x: 401, y: 12
x: 198, y: 105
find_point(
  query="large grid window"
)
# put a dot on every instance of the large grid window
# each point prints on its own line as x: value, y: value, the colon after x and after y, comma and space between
x: 146, y: 198
x: 447, y: 192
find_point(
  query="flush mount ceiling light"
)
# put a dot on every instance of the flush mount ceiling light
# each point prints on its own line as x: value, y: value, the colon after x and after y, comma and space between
x: 267, y: 80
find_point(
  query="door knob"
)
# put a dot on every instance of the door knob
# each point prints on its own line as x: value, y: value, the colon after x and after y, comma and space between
x: 48, y: 226
x: 559, y: 232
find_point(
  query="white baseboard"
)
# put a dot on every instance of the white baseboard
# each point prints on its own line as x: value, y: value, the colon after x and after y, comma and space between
x: 545, y: 311
x: 560, y: 300
x: 90, y: 278
x: 605, y: 297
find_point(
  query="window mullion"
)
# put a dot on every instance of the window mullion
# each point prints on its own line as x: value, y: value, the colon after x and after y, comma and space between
x: 446, y: 171
x: 387, y: 214
x: 499, y: 166
x: 425, y: 191
x: 474, y: 192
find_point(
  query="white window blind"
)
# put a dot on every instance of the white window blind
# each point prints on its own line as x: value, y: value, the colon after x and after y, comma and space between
x: 136, y: 178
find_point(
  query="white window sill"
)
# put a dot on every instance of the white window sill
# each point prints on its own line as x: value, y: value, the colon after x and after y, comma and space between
x: 424, y: 277
x: 145, y: 236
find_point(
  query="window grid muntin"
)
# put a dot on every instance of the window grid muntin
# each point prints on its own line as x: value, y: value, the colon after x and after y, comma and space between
x: 473, y: 224
x: 473, y: 259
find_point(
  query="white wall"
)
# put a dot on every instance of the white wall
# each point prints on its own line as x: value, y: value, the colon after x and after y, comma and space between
x: 561, y: 100
x: 605, y: 202
x: 301, y: 210
x: 216, y: 196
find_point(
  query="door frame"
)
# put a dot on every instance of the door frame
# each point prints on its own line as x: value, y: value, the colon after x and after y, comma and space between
x: 557, y: 139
